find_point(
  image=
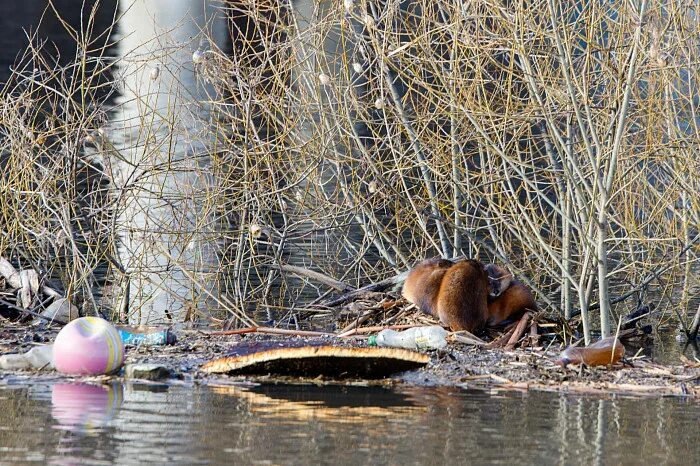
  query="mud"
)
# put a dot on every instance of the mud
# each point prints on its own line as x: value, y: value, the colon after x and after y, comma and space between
x: 457, y: 365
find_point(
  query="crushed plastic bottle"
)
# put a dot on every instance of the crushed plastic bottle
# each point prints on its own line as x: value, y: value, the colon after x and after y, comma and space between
x: 601, y: 353
x: 39, y: 357
x: 13, y: 362
x: 148, y: 336
x: 416, y: 338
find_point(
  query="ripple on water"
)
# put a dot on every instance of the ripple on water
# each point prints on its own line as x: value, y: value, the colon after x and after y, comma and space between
x: 63, y: 423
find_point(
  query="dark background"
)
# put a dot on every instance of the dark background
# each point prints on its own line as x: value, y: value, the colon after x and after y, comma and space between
x: 23, y: 18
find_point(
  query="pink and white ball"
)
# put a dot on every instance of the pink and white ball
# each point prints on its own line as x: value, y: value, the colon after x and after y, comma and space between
x: 88, y: 346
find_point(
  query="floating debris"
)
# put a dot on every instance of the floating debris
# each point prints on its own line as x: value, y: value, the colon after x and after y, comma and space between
x: 152, y: 372
x: 88, y: 346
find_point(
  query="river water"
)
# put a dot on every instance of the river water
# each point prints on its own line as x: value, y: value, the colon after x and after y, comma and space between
x: 62, y: 423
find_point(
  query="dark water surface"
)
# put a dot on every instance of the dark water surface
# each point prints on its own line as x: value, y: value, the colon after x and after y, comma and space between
x: 20, y: 20
x: 60, y: 423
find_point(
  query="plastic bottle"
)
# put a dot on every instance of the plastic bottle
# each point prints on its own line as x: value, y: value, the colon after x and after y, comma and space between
x: 601, y: 353
x: 416, y: 338
x: 39, y: 357
x: 13, y: 362
x: 148, y: 336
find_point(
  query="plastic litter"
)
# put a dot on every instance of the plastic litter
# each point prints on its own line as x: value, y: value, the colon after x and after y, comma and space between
x: 601, y: 353
x: 148, y: 336
x: 417, y: 338
x: 61, y: 310
x: 88, y: 346
x: 39, y: 357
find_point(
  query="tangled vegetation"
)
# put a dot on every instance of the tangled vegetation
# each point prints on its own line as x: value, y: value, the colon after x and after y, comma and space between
x: 354, y: 138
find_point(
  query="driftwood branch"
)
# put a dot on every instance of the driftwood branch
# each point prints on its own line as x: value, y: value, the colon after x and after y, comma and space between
x: 313, y: 275
x: 372, y: 287
x: 10, y: 274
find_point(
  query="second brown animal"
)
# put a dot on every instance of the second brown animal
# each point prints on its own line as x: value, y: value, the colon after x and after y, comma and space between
x: 467, y: 295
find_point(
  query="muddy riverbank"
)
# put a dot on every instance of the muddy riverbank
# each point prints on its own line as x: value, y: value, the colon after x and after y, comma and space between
x: 458, y: 365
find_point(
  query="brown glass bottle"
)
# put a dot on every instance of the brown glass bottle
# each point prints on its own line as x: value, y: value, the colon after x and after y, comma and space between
x: 601, y: 353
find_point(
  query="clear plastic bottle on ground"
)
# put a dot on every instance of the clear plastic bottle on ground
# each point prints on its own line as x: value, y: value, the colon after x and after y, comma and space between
x: 416, y: 338
x: 13, y: 362
x: 39, y: 357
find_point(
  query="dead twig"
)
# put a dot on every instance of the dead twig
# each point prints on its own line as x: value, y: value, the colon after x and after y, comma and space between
x: 372, y: 287
x: 317, y: 276
x: 271, y: 331
x: 467, y: 338
x: 355, y: 323
x: 378, y: 328
x: 503, y: 339
x: 519, y: 330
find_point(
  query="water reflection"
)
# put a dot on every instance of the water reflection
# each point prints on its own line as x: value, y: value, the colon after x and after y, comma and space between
x: 302, y: 403
x: 85, y: 408
x: 296, y: 424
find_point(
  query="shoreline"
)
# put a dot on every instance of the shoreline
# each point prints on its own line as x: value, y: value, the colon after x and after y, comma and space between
x: 458, y: 365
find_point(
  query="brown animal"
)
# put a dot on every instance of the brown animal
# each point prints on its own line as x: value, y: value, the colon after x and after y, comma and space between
x: 422, y: 284
x: 456, y: 293
x: 467, y: 295
x: 508, y: 298
x: 499, y: 279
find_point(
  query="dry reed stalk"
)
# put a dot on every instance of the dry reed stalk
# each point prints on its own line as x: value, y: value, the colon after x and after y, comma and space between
x: 353, y: 142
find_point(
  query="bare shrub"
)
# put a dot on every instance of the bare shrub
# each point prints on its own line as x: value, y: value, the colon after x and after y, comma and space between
x: 355, y: 138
